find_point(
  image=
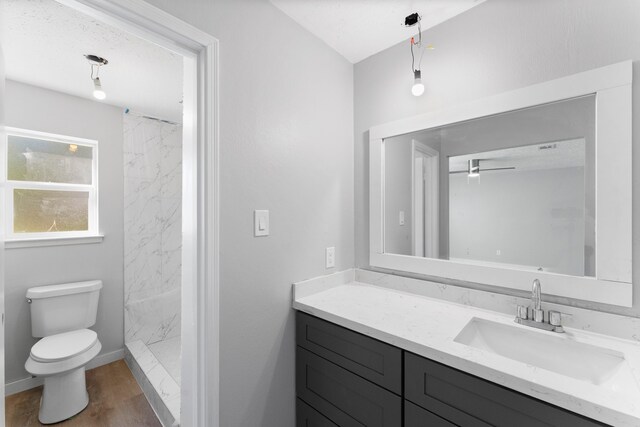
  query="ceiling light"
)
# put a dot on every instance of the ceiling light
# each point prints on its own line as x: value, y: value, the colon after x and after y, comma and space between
x: 414, y: 19
x: 98, y: 93
x: 473, y: 168
x: 96, y: 62
x: 418, y: 88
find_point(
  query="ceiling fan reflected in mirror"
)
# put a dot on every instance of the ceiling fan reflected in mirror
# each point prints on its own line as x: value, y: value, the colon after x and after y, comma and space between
x: 473, y: 168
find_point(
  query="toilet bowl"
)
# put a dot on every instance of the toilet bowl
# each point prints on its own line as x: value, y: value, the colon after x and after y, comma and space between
x: 60, y: 314
x: 61, y: 360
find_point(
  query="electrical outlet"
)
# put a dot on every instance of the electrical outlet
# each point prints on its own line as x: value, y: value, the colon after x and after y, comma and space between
x: 401, y: 218
x: 330, y: 257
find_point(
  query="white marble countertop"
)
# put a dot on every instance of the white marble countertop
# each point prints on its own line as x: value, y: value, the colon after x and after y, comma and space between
x: 428, y: 326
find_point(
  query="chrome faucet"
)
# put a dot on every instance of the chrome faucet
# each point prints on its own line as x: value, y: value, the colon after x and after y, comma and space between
x: 537, y: 313
x: 536, y: 319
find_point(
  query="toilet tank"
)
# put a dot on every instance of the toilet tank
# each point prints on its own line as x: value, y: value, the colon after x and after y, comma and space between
x: 63, y: 308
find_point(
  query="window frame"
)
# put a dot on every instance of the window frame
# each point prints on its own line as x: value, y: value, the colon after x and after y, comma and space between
x: 11, y: 185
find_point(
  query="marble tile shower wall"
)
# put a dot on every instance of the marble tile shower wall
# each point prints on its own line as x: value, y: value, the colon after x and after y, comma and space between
x: 152, y: 229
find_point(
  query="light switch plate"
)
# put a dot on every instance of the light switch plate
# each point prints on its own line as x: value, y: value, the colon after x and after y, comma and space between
x: 330, y: 257
x: 260, y: 223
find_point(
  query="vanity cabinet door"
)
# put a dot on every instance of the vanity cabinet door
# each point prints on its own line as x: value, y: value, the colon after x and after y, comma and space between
x: 466, y: 400
x: 369, y: 358
x: 343, y: 397
x: 306, y: 416
x: 415, y: 416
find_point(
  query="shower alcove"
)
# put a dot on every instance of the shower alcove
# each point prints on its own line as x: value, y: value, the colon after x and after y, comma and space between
x: 152, y: 259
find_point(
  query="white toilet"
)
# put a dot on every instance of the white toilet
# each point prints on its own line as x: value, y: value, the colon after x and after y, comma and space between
x: 60, y: 314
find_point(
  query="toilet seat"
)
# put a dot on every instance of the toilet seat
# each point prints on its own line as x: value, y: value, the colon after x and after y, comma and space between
x: 59, y: 347
x: 45, y: 369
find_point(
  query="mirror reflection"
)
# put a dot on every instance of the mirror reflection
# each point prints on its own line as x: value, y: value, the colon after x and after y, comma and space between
x: 514, y: 190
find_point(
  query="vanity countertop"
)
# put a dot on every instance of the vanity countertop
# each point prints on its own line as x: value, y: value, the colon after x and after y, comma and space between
x: 427, y: 327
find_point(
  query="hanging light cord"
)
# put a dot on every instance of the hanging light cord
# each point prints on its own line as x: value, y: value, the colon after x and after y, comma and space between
x: 413, y: 59
x: 419, y: 44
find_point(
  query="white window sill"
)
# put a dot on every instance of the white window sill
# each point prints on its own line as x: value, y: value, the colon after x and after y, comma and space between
x: 52, y: 241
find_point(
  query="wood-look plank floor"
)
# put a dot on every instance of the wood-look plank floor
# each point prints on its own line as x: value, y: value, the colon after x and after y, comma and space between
x: 115, y: 399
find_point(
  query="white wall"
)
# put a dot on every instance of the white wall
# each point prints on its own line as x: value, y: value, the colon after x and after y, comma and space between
x: 398, y: 197
x: 530, y: 218
x: 495, y: 47
x: 286, y: 144
x: 2, y: 263
x: 43, y: 110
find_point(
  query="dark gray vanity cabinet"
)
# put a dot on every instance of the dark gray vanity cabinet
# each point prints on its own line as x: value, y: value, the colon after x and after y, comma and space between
x: 346, y: 379
x: 308, y: 417
x: 465, y: 400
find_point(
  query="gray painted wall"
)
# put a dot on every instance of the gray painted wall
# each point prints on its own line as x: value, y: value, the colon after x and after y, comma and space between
x: 397, y: 190
x: 286, y: 144
x: 495, y: 47
x: 43, y: 110
x: 2, y: 263
x: 535, y: 218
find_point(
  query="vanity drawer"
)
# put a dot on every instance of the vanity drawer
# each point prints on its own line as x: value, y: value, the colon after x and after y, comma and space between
x: 369, y: 358
x: 467, y: 400
x: 306, y: 416
x: 343, y: 397
x: 415, y: 416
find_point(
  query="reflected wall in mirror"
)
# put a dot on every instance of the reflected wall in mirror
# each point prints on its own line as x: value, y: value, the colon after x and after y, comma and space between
x: 514, y: 190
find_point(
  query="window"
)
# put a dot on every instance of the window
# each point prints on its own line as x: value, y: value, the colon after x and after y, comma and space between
x: 52, y: 188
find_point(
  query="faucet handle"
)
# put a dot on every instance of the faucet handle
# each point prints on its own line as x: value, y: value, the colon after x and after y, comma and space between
x: 522, y: 312
x: 555, y: 318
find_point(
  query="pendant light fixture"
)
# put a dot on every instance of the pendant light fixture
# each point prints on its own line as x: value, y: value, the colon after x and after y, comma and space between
x: 96, y: 62
x: 418, y: 87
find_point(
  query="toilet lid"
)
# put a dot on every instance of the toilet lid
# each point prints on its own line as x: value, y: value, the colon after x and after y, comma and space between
x: 63, y: 346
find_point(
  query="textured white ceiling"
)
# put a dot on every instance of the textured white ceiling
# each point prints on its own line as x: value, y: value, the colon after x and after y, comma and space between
x: 358, y: 29
x: 44, y: 44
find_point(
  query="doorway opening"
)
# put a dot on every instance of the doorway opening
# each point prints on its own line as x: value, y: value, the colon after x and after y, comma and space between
x: 197, y: 297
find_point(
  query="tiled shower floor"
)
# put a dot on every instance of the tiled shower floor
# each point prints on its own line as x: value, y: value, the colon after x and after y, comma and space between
x: 160, y: 386
x: 168, y: 354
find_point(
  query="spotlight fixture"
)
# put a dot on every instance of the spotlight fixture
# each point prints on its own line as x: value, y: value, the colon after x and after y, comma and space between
x: 96, y: 62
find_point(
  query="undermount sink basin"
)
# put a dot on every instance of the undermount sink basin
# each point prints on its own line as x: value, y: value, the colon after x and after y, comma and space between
x: 559, y: 354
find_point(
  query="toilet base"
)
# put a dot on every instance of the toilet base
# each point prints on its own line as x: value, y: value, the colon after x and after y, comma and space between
x: 63, y: 396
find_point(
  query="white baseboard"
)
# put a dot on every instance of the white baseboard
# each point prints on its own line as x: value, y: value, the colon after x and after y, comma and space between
x: 33, y: 382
